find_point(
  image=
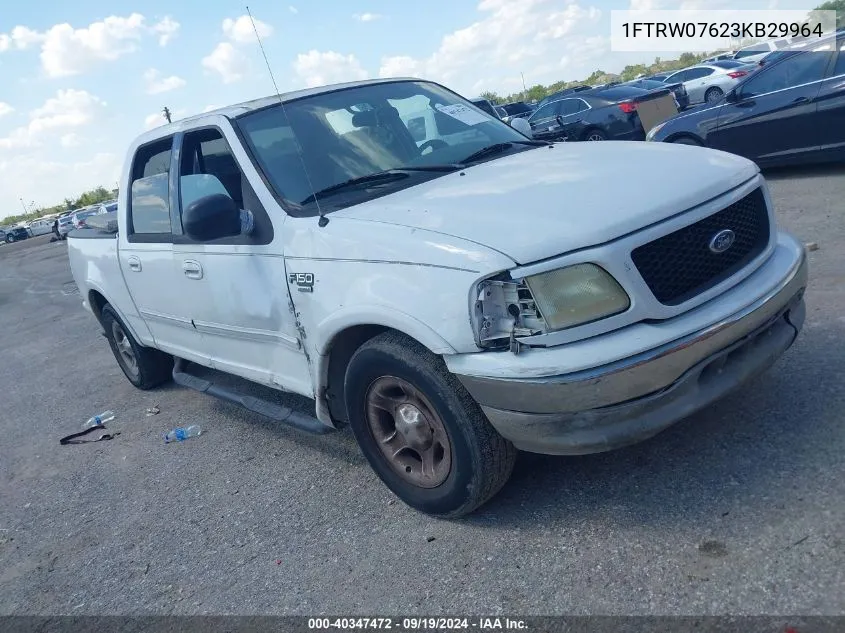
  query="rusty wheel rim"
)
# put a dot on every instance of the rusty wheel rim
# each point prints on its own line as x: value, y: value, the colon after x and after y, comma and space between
x: 408, y: 432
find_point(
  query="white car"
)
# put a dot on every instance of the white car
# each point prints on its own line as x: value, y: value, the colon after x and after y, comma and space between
x: 452, y: 299
x: 65, y: 225
x: 40, y: 227
x: 708, y: 83
x: 757, y: 52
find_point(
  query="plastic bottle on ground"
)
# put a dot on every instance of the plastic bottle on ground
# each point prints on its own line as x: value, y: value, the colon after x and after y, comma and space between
x: 180, y: 434
x: 99, y: 420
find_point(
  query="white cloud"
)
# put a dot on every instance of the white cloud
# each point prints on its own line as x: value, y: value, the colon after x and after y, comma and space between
x: 24, y: 37
x: 240, y: 29
x: 293, y: 9
x: 509, y: 37
x: 72, y: 139
x: 156, y: 84
x: 319, y: 68
x: 48, y: 181
x: 67, y: 110
x: 367, y: 17
x: 67, y: 51
x: 5, y: 108
x: 166, y: 29
x: 227, y: 61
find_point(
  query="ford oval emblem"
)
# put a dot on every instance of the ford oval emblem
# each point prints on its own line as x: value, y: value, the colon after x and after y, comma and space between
x: 722, y: 241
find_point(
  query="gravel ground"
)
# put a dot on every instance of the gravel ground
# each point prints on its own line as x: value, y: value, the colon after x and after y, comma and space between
x: 739, y: 509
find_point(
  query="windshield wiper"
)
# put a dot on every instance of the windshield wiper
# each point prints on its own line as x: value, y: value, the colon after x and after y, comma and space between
x: 388, y: 175
x: 498, y: 148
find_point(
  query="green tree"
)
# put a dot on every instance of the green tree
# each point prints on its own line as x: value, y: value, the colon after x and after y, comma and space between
x: 834, y: 5
x: 492, y: 97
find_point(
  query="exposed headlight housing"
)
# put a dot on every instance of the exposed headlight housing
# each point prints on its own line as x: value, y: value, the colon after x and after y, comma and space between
x: 504, y: 309
x: 653, y: 131
x: 576, y: 295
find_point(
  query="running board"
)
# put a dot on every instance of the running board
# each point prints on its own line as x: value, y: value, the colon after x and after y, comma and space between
x: 272, y: 410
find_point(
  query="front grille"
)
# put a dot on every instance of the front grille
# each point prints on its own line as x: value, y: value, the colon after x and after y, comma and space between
x: 680, y: 265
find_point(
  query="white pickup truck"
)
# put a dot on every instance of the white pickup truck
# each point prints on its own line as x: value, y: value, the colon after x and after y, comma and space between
x: 449, y: 288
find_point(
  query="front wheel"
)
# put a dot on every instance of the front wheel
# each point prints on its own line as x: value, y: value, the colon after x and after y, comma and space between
x: 10, y: 238
x: 145, y: 367
x: 419, y: 429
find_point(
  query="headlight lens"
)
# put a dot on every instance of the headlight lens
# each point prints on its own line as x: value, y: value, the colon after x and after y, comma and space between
x: 576, y: 295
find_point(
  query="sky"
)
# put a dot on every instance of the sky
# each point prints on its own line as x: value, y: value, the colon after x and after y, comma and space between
x: 79, y: 80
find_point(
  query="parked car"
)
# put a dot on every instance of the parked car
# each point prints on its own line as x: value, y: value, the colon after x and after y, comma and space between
x: 658, y: 76
x: 485, y: 105
x: 678, y: 90
x: 618, y: 313
x: 501, y: 112
x: 555, y: 96
x: 41, y: 226
x: 65, y: 224
x: 755, y: 52
x: 707, y: 83
x: 594, y: 115
x: 78, y: 217
x: 517, y: 110
x: 719, y: 57
x: 668, y: 302
x: 14, y: 234
x: 791, y: 110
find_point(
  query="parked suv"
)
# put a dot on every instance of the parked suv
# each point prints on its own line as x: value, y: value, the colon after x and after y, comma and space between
x: 14, y: 234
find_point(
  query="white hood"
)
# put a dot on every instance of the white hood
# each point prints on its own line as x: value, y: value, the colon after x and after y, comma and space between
x: 550, y: 200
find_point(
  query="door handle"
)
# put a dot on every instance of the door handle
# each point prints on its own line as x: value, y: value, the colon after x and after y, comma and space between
x: 801, y: 100
x: 192, y: 269
x: 134, y: 264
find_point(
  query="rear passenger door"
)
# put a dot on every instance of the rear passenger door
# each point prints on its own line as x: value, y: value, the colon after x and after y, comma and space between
x: 236, y: 286
x: 146, y: 252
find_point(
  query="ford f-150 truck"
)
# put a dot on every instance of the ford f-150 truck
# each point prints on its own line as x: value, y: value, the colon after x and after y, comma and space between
x: 449, y: 288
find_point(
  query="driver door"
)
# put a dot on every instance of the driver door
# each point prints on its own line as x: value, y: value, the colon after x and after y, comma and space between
x: 773, y: 116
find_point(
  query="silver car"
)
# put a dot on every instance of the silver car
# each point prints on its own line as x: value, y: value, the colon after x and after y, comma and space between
x: 707, y: 83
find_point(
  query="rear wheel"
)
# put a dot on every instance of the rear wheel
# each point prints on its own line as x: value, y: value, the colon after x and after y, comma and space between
x: 595, y: 135
x: 10, y: 238
x: 145, y: 367
x: 713, y: 94
x: 420, y: 430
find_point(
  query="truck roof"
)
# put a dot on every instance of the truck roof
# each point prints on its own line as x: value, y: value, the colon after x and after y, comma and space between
x: 238, y: 109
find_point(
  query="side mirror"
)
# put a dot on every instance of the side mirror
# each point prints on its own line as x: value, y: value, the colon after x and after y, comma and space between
x: 522, y: 126
x: 732, y: 97
x: 211, y: 217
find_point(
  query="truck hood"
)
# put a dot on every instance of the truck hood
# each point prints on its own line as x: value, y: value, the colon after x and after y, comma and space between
x: 550, y: 200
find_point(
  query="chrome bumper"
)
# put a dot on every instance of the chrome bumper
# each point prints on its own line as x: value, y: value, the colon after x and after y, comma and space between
x: 630, y: 400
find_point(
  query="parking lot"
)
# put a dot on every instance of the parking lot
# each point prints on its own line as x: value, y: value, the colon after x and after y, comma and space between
x: 739, y: 509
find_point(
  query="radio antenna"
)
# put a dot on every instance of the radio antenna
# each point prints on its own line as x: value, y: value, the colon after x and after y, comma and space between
x: 323, y: 221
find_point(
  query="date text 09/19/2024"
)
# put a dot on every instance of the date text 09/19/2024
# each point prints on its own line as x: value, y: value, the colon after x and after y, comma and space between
x: 417, y: 624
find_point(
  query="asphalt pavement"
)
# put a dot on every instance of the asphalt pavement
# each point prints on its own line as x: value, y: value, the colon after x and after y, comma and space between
x: 739, y: 509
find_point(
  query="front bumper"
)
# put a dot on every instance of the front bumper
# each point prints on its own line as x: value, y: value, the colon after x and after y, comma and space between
x: 624, y: 402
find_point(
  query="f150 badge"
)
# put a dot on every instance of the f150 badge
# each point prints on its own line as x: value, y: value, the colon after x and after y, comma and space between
x: 304, y: 281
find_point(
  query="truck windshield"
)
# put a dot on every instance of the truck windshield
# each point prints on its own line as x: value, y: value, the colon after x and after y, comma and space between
x: 318, y: 142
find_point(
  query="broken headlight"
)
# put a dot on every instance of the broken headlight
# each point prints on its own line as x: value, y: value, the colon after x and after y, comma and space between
x: 505, y: 309
x: 576, y: 295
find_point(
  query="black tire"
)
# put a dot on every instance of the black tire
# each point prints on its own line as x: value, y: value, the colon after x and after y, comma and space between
x: 151, y: 367
x: 10, y: 239
x: 480, y: 460
x: 594, y: 134
x: 713, y: 94
x: 687, y: 140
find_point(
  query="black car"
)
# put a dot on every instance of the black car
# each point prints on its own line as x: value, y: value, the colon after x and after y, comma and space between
x: 791, y: 110
x: 560, y: 94
x: 681, y: 96
x: 518, y: 109
x: 593, y: 115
